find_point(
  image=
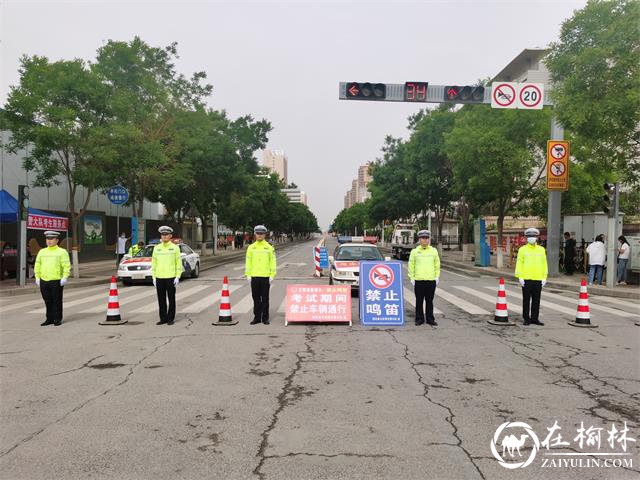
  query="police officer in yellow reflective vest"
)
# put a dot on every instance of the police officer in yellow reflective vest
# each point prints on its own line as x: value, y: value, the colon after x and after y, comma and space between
x: 52, y: 268
x: 166, y: 268
x: 135, y: 249
x: 424, y: 273
x: 260, y: 270
x: 531, y: 270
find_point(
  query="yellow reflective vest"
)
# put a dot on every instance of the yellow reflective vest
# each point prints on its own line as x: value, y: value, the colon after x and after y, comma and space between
x: 531, y: 263
x: 52, y: 263
x: 424, y: 263
x: 166, y: 261
x: 261, y: 260
x: 134, y: 249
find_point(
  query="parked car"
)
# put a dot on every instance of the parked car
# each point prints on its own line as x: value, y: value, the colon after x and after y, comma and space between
x: 345, y: 263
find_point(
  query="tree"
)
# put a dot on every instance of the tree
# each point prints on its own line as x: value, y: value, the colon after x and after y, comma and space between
x: 596, y: 75
x: 498, y: 157
x: 59, y: 111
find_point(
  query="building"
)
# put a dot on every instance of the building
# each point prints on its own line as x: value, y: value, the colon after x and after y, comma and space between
x: 359, y: 191
x: 295, y: 195
x: 528, y: 66
x: 276, y: 161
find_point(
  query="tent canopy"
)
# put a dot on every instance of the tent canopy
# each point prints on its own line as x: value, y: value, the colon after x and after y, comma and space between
x: 9, y: 209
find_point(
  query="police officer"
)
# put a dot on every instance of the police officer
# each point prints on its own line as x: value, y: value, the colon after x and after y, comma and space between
x: 531, y: 270
x: 260, y: 270
x: 166, y: 268
x: 424, y: 273
x: 134, y: 249
x: 52, y: 268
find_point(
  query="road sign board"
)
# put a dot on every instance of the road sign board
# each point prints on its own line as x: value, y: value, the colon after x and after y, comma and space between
x: 558, y: 165
x: 118, y: 195
x: 381, y: 293
x: 531, y: 96
x: 324, y: 257
x: 504, y: 94
x: 318, y: 303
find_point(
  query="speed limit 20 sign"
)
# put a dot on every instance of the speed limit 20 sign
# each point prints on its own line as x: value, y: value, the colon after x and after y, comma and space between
x: 531, y: 96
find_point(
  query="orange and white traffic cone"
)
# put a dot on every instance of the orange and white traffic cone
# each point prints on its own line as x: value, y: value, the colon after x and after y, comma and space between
x: 225, y: 317
x: 501, y: 316
x: 583, y: 315
x: 113, y: 307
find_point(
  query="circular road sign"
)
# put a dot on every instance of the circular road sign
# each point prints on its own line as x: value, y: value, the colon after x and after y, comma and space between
x: 504, y: 95
x: 558, y: 151
x: 530, y: 96
x: 118, y: 195
x: 381, y: 276
x: 557, y: 169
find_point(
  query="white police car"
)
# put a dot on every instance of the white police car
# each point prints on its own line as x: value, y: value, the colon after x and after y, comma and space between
x: 345, y: 263
x: 138, y: 268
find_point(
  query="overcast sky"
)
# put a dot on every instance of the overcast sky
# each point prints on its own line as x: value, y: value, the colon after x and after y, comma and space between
x: 282, y: 61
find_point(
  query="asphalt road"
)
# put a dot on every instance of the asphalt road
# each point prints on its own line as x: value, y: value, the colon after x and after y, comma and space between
x: 196, y: 401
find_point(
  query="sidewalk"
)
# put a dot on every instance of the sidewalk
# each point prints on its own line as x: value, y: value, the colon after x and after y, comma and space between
x: 100, y: 272
x: 453, y: 260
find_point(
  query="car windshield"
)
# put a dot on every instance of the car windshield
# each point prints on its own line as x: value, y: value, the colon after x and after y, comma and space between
x: 146, y: 252
x: 353, y: 252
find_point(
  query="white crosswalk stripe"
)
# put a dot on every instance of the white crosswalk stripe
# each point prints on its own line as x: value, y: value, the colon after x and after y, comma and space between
x: 410, y: 298
x: 104, y: 296
x: 209, y: 301
x: 38, y: 301
x: 124, y: 300
x: 617, y: 301
x: 153, y: 306
x: 283, y: 305
x: 460, y: 303
x: 553, y: 306
x: 245, y: 305
x: 512, y: 306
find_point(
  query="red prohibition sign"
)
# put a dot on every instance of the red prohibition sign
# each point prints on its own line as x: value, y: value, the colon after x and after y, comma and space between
x: 381, y: 276
x: 532, y: 99
x: 503, y: 97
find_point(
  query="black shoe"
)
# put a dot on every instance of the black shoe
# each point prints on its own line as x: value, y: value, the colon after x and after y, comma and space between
x: 161, y: 322
x: 433, y: 323
x: 57, y: 324
x: 419, y: 323
x: 170, y: 322
x: 255, y: 321
x: 526, y: 322
x: 45, y: 323
x: 538, y: 323
x: 266, y: 322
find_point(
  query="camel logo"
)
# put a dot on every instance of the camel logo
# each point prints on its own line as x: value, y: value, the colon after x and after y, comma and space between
x: 512, y: 443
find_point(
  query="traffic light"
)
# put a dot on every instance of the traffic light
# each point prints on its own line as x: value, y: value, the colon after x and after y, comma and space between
x: 463, y: 94
x: 609, y: 199
x: 366, y: 91
x: 23, y: 202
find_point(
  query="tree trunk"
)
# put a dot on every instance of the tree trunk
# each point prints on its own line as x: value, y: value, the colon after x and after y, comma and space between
x: 500, y: 258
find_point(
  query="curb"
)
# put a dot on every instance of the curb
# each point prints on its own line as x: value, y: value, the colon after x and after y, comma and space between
x: 214, y: 262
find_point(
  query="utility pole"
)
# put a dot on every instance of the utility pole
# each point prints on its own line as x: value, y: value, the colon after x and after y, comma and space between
x: 554, y: 217
x: 612, y: 238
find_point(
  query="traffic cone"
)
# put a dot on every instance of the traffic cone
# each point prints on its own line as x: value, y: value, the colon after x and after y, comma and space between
x: 113, y: 307
x: 501, y: 316
x: 225, y: 317
x: 583, y: 315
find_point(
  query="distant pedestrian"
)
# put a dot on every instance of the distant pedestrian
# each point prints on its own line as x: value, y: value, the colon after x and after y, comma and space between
x: 531, y: 270
x: 166, y: 268
x: 260, y: 270
x: 121, y: 246
x: 424, y: 273
x: 597, y: 258
x: 52, y: 269
x: 569, y: 253
x: 623, y: 258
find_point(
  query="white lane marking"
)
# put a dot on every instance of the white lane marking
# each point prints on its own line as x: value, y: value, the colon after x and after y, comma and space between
x: 238, y: 268
x: 617, y: 301
x: 553, y: 306
x: 460, y: 303
x: 209, y: 301
x: 283, y: 305
x: 511, y: 305
x: 100, y: 296
x: 245, y: 305
x: 592, y: 305
x: 454, y: 273
x: 410, y: 298
x: 71, y: 294
x: 151, y: 307
x: 124, y: 301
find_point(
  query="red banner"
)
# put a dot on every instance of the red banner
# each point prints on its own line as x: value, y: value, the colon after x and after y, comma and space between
x: 318, y: 303
x: 42, y: 222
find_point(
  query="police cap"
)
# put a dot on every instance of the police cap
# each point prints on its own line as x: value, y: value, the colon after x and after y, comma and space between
x: 532, y: 232
x: 260, y: 229
x: 51, y: 234
x: 424, y: 234
x: 165, y: 229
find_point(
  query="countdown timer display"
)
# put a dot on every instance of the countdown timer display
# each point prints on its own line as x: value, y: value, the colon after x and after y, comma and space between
x: 415, y: 91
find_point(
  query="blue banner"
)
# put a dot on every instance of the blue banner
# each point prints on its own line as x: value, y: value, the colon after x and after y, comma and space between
x: 381, y: 293
x: 134, y: 230
x: 324, y: 257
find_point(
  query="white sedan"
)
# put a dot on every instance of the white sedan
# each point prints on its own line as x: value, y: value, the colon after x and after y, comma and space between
x: 138, y: 267
x: 345, y: 264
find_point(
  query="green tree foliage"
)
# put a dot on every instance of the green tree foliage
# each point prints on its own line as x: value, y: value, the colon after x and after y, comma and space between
x: 354, y: 220
x: 596, y: 75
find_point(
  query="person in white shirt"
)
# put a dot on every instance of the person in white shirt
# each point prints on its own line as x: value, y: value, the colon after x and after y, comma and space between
x: 597, y: 258
x: 121, y: 246
x: 623, y: 258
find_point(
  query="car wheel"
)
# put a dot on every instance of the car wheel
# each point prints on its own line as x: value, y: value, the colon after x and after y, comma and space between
x: 125, y: 281
x: 195, y: 273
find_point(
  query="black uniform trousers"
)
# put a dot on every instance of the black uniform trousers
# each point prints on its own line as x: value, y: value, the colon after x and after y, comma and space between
x: 531, y: 297
x: 260, y: 293
x: 424, y: 290
x: 569, y: 266
x: 51, y: 292
x: 166, y: 290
